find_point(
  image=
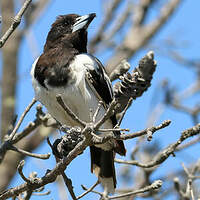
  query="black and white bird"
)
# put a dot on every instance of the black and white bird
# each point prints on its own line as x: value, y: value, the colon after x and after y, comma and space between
x: 67, y: 69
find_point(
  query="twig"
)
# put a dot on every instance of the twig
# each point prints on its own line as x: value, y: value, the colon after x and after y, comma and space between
x: 13, y: 137
x: 154, y: 186
x: 88, y: 190
x: 113, y: 129
x: 28, y: 194
x: 40, y: 156
x: 20, y: 168
x: 68, y: 183
x: 107, y: 114
x: 120, y: 21
x: 15, y: 23
x: 22, y: 118
x: 165, y: 153
x: 137, y: 37
x: 69, y: 111
x: 107, y: 19
x: 42, y: 194
x: 124, y: 112
x: 189, y: 191
x: 153, y: 129
x: 141, y: 11
x: 97, y: 111
x: 146, y: 131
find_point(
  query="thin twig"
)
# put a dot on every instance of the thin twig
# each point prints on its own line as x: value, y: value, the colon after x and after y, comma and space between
x: 97, y: 111
x: 26, y: 153
x: 153, y: 129
x: 144, y: 132
x: 68, y: 183
x: 154, y: 186
x: 20, y: 168
x: 113, y: 129
x: 88, y: 190
x: 15, y: 23
x: 42, y: 194
x: 165, y: 153
x: 124, y: 112
x: 107, y: 114
x: 69, y: 111
x: 22, y: 118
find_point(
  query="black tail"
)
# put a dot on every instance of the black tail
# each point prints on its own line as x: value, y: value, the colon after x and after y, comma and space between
x: 102, y: 164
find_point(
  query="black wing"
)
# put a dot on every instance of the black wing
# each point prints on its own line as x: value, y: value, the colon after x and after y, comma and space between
x: 102, y: 85
x: 100, y: 80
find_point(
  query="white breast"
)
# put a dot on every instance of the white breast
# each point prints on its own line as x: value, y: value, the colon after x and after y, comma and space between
x: 78, y: 96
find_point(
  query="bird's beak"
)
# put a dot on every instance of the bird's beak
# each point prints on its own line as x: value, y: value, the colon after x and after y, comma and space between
x: 83, y: 22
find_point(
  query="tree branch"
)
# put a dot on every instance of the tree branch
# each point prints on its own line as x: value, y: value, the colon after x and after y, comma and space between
x: 15, y: 23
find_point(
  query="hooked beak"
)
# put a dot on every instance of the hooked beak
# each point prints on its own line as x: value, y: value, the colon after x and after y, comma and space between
x: 83, y: 22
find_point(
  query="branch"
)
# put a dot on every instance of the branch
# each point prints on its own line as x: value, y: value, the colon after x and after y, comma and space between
x: 68, y: 111
x: 141, y: 11
x: 15, y: 23
x: 107, y: 19
x: 21, y: 119
x: 26, y: 153
x: 165, y: 153
x: 88, y: 190
x: 67, y: 181
x: 7, y: 144
x: 20, y: 168
x: 154, y: 186
x: 120, y: 21
x: 138, y: 36
x: 188, y: 192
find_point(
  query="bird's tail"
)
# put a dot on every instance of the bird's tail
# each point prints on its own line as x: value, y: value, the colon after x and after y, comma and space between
x: 102, y: 164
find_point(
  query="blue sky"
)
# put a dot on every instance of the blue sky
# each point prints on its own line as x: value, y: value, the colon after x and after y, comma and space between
x: 183, y: 26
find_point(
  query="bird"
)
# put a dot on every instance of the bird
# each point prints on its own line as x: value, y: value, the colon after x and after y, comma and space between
x: 66, y: 68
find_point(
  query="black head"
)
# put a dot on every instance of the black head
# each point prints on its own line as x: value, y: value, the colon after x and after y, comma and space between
x: 69, y: 30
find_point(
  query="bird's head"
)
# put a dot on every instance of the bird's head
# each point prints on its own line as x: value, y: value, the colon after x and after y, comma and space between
x: 70, y: 30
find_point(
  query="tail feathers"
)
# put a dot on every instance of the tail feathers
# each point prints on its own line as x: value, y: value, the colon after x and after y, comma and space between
x: 102, y: 164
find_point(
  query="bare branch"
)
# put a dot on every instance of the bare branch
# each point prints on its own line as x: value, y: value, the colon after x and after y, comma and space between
x: 141, y: 11
x: 68, y: 111
x: 9, y: 141
x: 68, y: 183
x: 15, y: 23
x: 108, y: 17
x: 154, y: 186
x: 22, y: 118
x: 121, y: 19
x: 88, y: 190
x: 153, y: 129
x: 40, y: 156
x: 137, y: 37
x: 20, y: 168
x: 165, y: 153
